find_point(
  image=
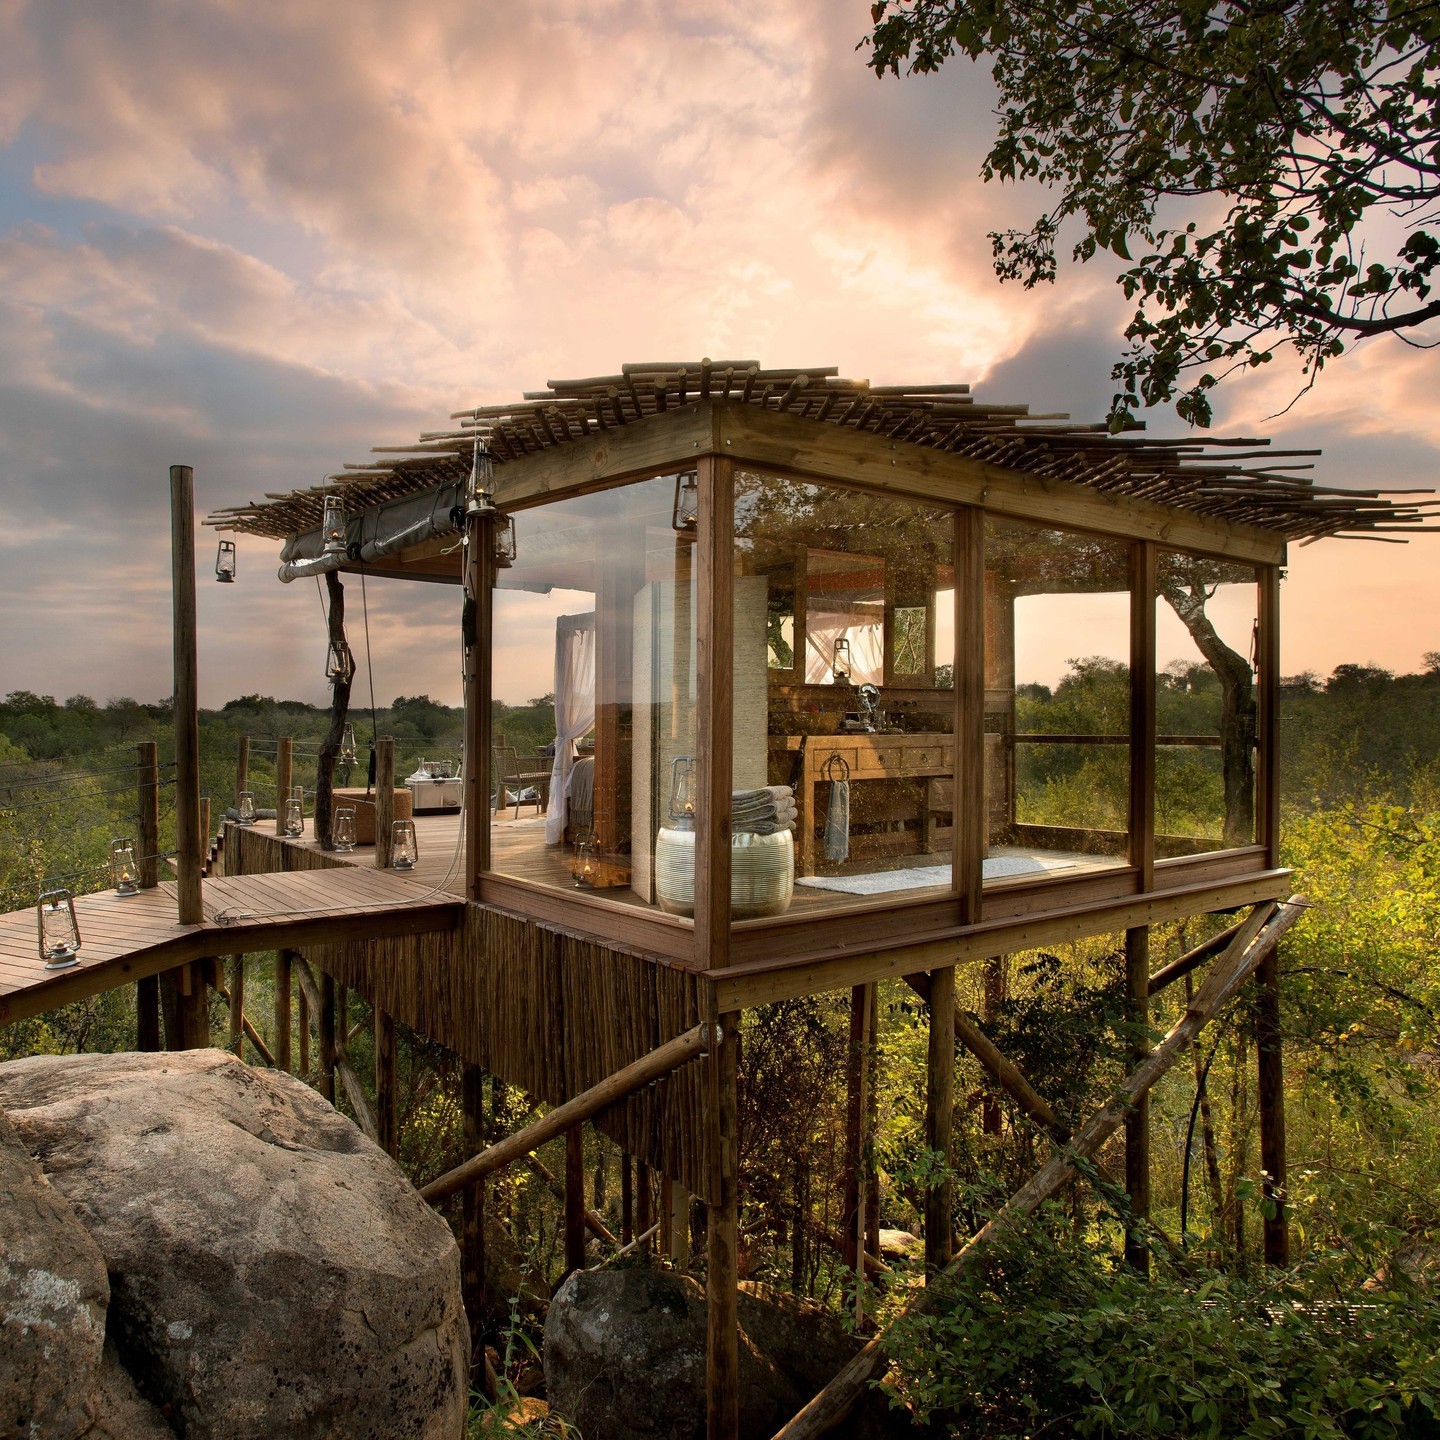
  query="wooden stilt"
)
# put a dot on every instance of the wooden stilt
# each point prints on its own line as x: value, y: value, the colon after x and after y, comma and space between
x: 939, y: 1113
x: 187, y: 689
x: 722, y: 1369
x: 282, y: 1010
x: 184, y: 1009
x: 304, y: 1023
x: 385, y: 1106
x: 147, y: 810
x: 993, y: 992
x: 851, y: 1224
x: 1137, y: 1123
x: 237, y: 1004
x: 627, y: 1198
x: 575, y: 1198
x: 472, y: 1227
x: 384, y: 798
x: 326, y: 1084
x: 1271, y: 1087
x: 644, y: 1209
x: 679, y: 1209
x: 666, y: 1239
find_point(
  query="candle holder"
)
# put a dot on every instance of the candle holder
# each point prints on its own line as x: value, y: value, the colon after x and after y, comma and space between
x: 404, y: 847
x: 586, y: 862
x: 344, y: 829
x: 245, y: 807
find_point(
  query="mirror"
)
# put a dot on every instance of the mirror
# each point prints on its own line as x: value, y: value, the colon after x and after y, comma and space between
x: 845, y: 601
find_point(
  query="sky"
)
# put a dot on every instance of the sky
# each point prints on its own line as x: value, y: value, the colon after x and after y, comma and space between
x: 258, y: 238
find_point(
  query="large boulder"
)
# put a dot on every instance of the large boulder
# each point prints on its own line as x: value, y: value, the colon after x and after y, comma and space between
x: 271, y: 1271
x: 625, y: 1357
x: 53, y: 1294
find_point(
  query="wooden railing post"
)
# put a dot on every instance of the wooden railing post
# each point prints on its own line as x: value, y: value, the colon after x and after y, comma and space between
x: 384, y: 798
x: 939, y: 1115
x: 284, y: 770
x: 242, y: 766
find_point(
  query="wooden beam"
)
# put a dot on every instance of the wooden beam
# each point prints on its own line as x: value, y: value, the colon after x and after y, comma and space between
x: 660, y: 1061
x: 355, y: 1091
x: 1267, y: 830
x: 971, y: 823
x: 476, y: 624
x: 593, y: 1223
x: 236, y: 998
x: 826, y: 452
x: 1271, y: 1087
x: 472, y: 1227
x: 839, y: 1397
x: 1142, y: 712
x: 1191, y: 959
x: 761, y: 983
x: 186, y: 695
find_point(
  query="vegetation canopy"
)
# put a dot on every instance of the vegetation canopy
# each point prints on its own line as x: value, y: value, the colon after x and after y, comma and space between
x: 1269, y: 173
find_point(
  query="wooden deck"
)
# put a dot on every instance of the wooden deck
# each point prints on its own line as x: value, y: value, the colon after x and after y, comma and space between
x: 125, y: 939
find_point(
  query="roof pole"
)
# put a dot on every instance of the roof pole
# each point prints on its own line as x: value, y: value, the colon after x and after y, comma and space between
x: 187, y: 722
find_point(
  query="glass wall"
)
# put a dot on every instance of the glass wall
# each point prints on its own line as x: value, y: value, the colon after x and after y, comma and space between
x: 1057, y: 701
x: 593, y: 663
x: 1206, y: 620
x: 844, y: 637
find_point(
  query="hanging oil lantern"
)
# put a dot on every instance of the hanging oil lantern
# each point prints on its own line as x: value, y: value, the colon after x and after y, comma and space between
x: 332, y: 527
x: 685, y: 514
x: 347, y: 745
x: 505, y: 543
x: 225, y: 559
x: 339, y: 663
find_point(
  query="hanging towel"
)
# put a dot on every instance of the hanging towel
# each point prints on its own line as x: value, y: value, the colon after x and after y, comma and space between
x: 837, y: 822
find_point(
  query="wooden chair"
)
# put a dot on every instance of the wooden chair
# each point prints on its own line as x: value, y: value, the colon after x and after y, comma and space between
x: 517, y: 773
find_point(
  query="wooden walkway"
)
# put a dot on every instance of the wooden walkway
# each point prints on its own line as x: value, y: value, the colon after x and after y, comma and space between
x: 126, y: 939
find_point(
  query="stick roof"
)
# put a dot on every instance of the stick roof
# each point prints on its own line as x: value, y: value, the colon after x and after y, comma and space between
x: 1210, y: 476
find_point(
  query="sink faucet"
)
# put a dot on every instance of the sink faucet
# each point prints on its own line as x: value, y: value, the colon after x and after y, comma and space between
x: 870, y: 704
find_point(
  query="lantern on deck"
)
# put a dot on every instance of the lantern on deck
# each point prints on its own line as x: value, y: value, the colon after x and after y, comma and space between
x: 225, y: 562
x: 685, y: 515
x: 245, y: 807
x: 347, y: 745
x: 124, y: 872
x: 294, y: 817
x: 404, y: 848
x: 57, y: 928
x: 332, y: 527
x: 344, y: 833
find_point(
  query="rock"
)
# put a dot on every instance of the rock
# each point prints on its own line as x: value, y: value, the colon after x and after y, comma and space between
x: 898, y: 1245
x: 53, y: 1293
x: 625, y: 1357
x: 121, y: 1412
x: 272, y: 1272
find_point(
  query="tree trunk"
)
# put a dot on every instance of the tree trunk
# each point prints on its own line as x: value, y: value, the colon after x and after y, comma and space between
x: 339, y: 708
x: 1186, y: 595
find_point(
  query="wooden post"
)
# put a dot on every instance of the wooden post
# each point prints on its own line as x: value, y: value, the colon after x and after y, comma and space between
x: 327, y: 1036
x: 385, y: 1112
x: 242, y: 766
x: 627, y: 1198
x: 339, y: 708
x: 475, y: 627
x: 147, y: 809
x: 992, y: 995
x: 970, y: 839
x: 184, y: 1008
x: 575, y: 1198
x: 1268, y: 1048
x: 304, y: 1020
x: 722, y: 1370
x: 281, y: 1040
x: 187, y: 687
x: 472, y: 1223
x: 284, y: 769
x: 644, y: 1208
x: 237, y: 1004
x: 1142, y: 712
x: 939, y: 1112
x: 1137, y: 1122
x: 384, y: 798
x: 204, y: 831
x: 852, y: 1226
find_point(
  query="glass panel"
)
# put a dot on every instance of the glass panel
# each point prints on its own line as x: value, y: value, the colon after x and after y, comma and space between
x: 1205, y: 624
x: 858, y: 730
x: 1057, y: 701
x: 595, y: 690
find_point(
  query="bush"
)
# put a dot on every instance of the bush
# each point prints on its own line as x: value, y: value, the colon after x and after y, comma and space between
x: 1051, y: 1341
